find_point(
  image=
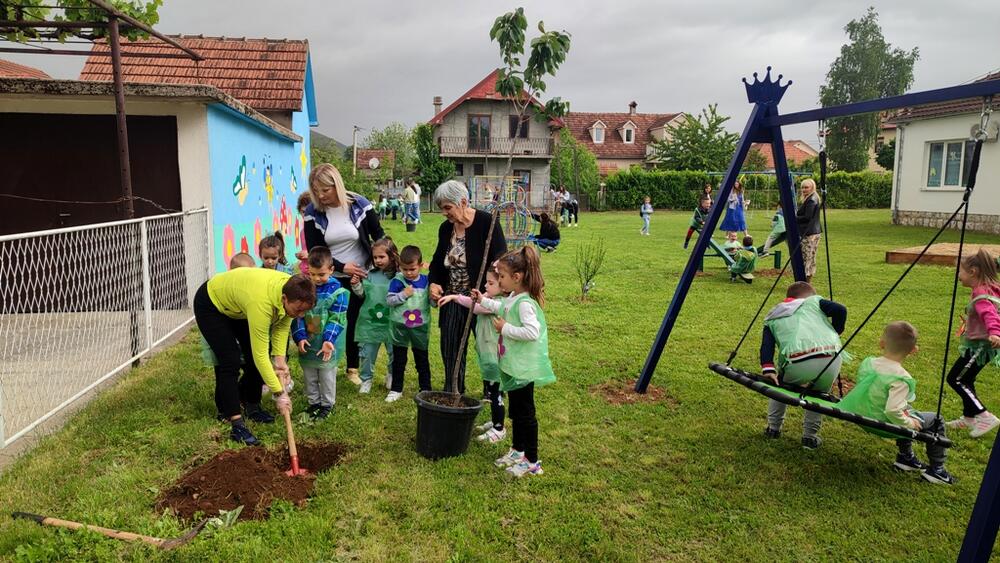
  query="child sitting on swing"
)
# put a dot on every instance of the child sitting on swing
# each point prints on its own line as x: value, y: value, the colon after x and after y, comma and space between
x: 806, y: 329
x: 884, y: 392
x: 746, y: 261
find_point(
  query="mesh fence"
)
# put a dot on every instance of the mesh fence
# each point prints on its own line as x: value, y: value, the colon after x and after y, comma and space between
x: 77, y: 305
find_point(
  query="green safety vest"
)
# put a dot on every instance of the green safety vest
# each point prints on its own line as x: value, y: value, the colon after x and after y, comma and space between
x: 316, y: 320
x: 373, y: 317
x: 777, y: 224
x: 869, y: 396
x: 487, y: 348
x: 807, y: 331
x: 984, y: 352
x: 416, y: 310
x: 524, y: 361
x: 746, y: 261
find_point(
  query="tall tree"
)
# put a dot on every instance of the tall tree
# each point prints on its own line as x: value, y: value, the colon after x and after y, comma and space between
x: 697, y: 143
x: 886, y: 155
x: 397, y: 138
x: 574, y: 166
x: 868, y: 67
x: 431, y: 168
x: 755, y: 161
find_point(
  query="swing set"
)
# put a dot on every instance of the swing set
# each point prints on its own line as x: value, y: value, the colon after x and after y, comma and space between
x: 764, y: 126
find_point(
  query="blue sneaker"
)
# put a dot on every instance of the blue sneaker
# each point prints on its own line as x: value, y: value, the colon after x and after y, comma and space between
x: 242, y: 435
x: 258, y: 414
x: 939, y: 476
x: 909, y: 463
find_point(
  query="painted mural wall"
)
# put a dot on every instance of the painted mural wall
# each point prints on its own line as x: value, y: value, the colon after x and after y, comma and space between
x: 257, y: 177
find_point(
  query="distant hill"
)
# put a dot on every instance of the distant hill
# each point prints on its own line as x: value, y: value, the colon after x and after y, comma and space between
x: 320, y: 140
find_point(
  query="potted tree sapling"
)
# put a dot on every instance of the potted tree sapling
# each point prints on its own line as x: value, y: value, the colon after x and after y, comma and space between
x: 445, y: 420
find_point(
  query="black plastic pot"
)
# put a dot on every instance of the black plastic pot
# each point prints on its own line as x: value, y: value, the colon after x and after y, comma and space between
x: 411, y: 227
x: 444, y: 431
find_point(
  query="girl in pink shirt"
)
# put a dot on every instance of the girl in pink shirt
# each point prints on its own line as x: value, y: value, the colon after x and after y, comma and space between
x: 980, y: 341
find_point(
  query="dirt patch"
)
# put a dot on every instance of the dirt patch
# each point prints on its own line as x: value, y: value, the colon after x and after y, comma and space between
x: 251, y: 477
x: 766, y: 273
x: 847, y: 384
x: 623, y: 393
x: 703, y: 275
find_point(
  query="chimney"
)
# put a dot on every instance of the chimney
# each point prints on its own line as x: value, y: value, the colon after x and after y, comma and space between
x: 631, y: 108
x: 437, y: 105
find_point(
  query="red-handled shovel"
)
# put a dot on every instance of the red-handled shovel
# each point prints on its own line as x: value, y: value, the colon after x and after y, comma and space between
x: 295, y: 471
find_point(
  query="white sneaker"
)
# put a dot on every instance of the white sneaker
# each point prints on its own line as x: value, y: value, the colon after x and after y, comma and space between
x: 366, y: 387
x: 492, y: 435
x: 388, y: 381
x: 353, y: 376
x: 525, y: 467
x: 961, y: 423
x: 985, y: 422
x: 393, y: 396
x: 511, y: 458
x: 484, y: 426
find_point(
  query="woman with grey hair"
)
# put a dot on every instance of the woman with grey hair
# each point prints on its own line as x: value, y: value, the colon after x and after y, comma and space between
x: 461, y: 249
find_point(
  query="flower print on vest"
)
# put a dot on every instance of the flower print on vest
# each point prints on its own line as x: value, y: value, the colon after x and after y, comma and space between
x: 379, y: 314
x: 412, y: 318
x: 501, y: 349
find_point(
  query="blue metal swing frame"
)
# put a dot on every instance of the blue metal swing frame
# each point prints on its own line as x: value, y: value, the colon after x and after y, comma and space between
x: 764, y: 126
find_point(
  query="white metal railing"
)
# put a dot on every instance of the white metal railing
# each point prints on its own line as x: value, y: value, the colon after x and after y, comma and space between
x: 78, y: 305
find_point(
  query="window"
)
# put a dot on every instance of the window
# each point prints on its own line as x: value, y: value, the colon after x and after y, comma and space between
x: 459, y: 169
x: 948, y: 163
x: 523, y: 180
x: 479, y: 133
x: 478, y: 170
x: 629, y: 135
x: 514, y: 132
x: 598, y: 134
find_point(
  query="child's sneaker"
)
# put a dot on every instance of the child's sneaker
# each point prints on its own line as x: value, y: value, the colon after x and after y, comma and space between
x: 984, y: 422
x: 322, y: 413
x: 388, y: 381
x: 485, y: 426
x: 938, y: 476
x: 353, y: 377
x: 511, y: 458
x: 961, y: 423
x: 242, y: 435
x: 771, y: 433
x: 909, y: 463
x: 393, y: 396
x: 257, y: 414
x: 311, y: 410
x: 811, y: 442
x: 526, y: 468
x: 366, y: 387
x: 492, y: 435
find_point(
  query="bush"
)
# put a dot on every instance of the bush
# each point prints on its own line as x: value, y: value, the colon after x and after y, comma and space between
x: 680, y: 189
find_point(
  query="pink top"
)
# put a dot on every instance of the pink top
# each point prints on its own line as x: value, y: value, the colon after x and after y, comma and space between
x: 466, y: 301
x: 983, y: 321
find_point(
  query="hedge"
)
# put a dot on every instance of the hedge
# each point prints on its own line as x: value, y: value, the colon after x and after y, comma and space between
x: 680, y: 189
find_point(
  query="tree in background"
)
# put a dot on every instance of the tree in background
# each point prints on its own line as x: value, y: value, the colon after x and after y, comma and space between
x: 397, y: 138
x: 700, y: 143
x: 432, y: 170
x: 357, y: 183
x: 886, y: 156
x: 574, y: 166
x: 867, y: 68
x: 755, y: 161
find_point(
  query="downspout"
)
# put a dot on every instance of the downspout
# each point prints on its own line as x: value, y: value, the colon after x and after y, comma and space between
x: 898, y: 171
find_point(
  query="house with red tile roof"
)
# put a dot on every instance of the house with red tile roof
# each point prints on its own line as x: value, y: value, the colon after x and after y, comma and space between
x: 10, y: 69
x: 478, y: 130
x: 933, y: 157
x: 621, y: 140
x: 229, y: 133
x: 796, y: 152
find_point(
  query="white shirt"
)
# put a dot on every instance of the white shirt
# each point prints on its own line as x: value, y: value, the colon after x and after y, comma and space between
x: 342, y: 237
x: 416, y: 188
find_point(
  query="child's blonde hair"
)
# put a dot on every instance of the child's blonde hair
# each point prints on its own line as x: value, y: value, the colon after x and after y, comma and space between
x: 900, y: 337
x: 527, y: 262
x: 983, y: 266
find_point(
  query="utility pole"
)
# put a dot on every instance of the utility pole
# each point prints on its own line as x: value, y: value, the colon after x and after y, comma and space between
x: 354, y: 144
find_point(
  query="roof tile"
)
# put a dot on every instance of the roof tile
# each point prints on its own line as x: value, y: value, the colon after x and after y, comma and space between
x: 614, y: 145
x: 10, y: 69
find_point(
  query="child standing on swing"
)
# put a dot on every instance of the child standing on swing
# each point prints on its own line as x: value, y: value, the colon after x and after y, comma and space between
x: 524, y: 352
x: 980, y: 341
x: 698, y: 219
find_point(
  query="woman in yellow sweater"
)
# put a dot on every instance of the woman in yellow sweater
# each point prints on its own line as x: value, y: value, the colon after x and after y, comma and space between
x: 248, y: 312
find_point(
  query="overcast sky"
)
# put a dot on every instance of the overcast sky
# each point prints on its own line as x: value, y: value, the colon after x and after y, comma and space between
x: 380, y: 61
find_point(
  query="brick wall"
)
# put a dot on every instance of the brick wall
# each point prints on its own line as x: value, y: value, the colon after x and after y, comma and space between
x: 977, y: 222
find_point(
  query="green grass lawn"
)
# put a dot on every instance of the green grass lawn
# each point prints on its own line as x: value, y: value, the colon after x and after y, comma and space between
x: 689, y: 478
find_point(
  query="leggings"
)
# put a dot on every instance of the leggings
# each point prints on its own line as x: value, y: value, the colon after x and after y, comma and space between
x: 452, y: 322
x: 353, y: 309
x: 491, y: 390
x: 399, y: 368
x: 962, y: 378
x: 524, y: 424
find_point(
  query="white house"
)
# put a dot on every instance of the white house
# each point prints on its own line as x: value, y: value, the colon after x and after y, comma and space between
x: 933, y: 156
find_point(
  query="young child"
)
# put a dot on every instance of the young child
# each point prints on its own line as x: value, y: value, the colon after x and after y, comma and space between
x: 242, y: 260
x: 524, y: 352
x: 980, y: 341
x: 272, y: 253
x: 777, y: 235
x: 303, y: 254
x: 645, y: 211
x: 746, y: 261
x: 698, y: 220
x: 410, y: 314
x: 372, y: 331
x: 732, y: 244
x: 884, y: 392
x: 320, y: 335
x: 806, y: 329
x: 487, y: 349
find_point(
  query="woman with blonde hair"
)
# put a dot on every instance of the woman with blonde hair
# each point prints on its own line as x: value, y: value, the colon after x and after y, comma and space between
x: 807, y: 219
x: 348, y: 224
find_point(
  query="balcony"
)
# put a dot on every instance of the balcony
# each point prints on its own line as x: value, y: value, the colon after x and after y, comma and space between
x: 495, y: 146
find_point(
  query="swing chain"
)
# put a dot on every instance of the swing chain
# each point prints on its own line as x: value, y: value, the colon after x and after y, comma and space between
x: 984, y: 118
x: 821, y: 135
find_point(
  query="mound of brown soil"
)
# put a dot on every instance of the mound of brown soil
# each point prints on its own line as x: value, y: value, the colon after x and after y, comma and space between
x: 251, y: 477
x: 623, y: 393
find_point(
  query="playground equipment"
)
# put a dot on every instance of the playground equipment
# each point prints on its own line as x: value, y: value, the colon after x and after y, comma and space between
x: 764, y: 125
x: 506, y: 195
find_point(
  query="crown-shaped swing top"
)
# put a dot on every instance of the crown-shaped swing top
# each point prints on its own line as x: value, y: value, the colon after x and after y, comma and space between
x: 766, y: 91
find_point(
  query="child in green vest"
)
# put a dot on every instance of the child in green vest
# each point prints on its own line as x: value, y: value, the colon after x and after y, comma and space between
x: 732, y: 244
x: 806, y: 330
x: 410, y: 317
x: 524, y: 352
x: 321, y: 336
x: 884, y: 392
x: 745, y: 262
x: 487, y: 349
x: 372, y: 331
x: 777, y: 234
x: 698, y: 219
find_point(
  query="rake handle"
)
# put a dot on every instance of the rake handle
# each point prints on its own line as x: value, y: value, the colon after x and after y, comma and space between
x: 116, y: 534
x: 290, y: 434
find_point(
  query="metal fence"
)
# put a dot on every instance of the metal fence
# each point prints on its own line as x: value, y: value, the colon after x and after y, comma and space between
x: 78, y: 305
